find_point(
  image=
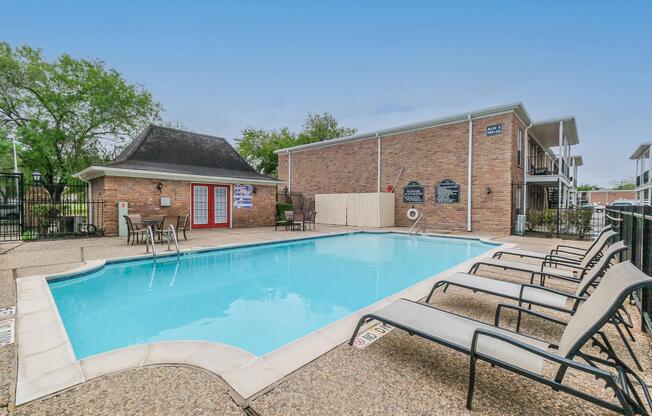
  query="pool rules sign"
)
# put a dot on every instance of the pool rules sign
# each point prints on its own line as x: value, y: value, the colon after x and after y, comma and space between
x: 243, y: 196
x: 413, y: 193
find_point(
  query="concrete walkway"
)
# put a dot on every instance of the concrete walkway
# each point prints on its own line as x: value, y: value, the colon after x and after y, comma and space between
x: 398, y: 375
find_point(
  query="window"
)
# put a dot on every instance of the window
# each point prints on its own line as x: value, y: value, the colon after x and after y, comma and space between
x: 519, y: 148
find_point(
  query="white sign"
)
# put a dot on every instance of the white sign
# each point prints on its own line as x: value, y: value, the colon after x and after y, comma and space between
x: 371, y: 335
x: 243, y: 197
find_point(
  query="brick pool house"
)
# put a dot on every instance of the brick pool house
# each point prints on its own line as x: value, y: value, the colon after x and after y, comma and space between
x: 468, y: 172
x: 169, y: 171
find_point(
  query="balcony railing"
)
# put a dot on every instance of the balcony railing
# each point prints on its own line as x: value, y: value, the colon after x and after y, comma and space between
x: 546, y: 165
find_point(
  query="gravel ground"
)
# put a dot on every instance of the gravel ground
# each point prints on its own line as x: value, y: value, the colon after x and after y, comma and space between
x: 398, y: 375
x: 159, y: 390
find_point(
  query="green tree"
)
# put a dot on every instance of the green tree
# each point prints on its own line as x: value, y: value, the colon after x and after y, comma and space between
x: 257, y: 146
x: 67, y: 114
x: 587, y: 187
x: 624, y: 185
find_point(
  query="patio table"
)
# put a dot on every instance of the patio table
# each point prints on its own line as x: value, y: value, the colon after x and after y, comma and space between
x: 154, y: 222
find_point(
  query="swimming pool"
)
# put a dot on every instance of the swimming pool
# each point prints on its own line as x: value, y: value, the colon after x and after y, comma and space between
x: 257, y: 298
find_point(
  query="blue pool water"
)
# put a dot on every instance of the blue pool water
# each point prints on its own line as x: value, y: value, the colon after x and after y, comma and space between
x: 257, y: 298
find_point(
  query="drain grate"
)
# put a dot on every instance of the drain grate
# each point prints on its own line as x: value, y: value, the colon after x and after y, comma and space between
x: 6, y: 332
x: 7, y: 312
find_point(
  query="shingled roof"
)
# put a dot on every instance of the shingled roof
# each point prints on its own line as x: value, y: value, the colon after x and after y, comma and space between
x: 168, y: 150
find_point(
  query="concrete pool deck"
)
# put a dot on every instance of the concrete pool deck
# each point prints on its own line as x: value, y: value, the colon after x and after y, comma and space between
x: 377, y: 380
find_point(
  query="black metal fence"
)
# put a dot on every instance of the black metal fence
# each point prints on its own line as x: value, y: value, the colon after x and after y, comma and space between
x: 573, y: 222
x: 39, y: 210
x: 634, y: 225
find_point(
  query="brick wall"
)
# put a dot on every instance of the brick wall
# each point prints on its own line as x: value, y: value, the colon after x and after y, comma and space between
x: 261, y: 213
x: 429, y: 156
x: 606, y: 197
x: 144, y: 198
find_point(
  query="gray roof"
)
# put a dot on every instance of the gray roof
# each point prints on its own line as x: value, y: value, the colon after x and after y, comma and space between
x: 165, y: 149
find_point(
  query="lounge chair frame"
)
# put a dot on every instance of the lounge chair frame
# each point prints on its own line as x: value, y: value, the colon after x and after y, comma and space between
x: 629, y: 401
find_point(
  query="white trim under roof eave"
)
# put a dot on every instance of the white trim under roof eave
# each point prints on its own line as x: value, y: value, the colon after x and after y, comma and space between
x: 93, y: 172
x: 458, y: 118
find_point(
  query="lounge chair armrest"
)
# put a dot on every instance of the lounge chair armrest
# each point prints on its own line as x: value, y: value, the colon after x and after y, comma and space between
x: 551, y: 260
x: 595, y: 371
x: 527, y: 311
x: 567, y: 253
x: 567, y: 247
x: 547, y: 289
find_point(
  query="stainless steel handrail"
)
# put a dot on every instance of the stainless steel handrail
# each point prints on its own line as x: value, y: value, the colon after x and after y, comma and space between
x: 415, y: 224
x: 150, y: 239
x: 176, y: 242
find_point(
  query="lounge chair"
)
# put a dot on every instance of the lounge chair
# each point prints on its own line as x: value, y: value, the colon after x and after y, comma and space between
x: 526, y: 355
x: 561, y: 252
x: 551, y: 267
x: 544, y: 296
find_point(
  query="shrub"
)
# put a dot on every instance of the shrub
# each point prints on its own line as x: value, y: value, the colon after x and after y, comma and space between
x: 281, y: 208
x: 550, y: 220
x: 579, y: 220
x: 533, y: 219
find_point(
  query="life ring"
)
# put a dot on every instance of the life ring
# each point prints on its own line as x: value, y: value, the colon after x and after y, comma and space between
x: 390, y: 189
x: 412, y: 214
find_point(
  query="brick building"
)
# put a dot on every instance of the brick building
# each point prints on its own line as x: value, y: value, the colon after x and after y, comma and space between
x: 604, y: 197
x: 167, y: 171
x: 471, y: 170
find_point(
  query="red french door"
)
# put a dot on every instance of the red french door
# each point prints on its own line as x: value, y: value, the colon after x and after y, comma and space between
x: 211, y: 206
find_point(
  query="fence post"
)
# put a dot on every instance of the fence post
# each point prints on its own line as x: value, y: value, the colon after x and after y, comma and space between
x: 558, y: 221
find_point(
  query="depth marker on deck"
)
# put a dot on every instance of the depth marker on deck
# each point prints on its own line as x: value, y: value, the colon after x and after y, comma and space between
x: 371, y: 335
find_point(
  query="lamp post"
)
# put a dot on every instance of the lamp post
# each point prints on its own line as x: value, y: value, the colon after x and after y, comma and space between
x: 36, y: 177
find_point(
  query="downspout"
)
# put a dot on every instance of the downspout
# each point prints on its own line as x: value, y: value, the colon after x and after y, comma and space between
x: 378, y: 165
x: 469, y: 165
x: 526, y: 166
x: 289, y: 173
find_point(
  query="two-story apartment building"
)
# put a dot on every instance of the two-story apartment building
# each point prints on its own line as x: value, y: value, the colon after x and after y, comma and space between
x: 475, y: 171
x: 643, y: 179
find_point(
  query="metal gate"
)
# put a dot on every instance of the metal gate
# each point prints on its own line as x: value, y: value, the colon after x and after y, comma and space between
x: 11, y: 206
x: 39, y: 210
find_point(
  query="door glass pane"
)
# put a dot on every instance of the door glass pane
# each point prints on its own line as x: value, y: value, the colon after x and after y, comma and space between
x: 220, y: 205
x: 200, y: 204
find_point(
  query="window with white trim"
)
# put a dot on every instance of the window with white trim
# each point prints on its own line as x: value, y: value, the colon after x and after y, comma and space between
x: 519, y: 148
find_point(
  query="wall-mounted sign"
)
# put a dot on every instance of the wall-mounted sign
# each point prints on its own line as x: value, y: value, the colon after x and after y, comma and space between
x: 447, y: 192
x: 494, y: 129
x: 413, y: 193
x: 243, y: 196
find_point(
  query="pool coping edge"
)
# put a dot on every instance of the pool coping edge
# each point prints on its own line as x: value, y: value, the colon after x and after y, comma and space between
x: 51, y: 367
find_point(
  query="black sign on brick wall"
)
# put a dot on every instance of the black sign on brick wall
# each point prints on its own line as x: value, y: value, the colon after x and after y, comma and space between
x: 447, y: 192
x: 413, y: 193
x: 494, y: 129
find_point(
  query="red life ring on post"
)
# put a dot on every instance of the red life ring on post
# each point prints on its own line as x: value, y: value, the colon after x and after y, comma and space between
x: 412, y: 214
x: 390, y: 188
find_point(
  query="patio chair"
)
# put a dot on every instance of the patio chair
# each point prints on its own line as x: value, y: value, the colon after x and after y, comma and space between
x: 551, y: 265
x: 165, y: 225
x: 562, y: 252
x: 183, y: 226
x: 282, y: 221
x: 309, y: 220
x: 525, y: 355
x: 134, y: 229
x: 291, y: 223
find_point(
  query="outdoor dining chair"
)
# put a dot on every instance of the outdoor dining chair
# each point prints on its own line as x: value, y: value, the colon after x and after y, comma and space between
x: 184, y: 226
x: 168, y: 220
x: 134, y: 229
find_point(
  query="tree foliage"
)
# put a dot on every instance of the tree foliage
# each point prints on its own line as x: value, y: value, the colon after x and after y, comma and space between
x: 624, y: 185
x: 588, y: 187
x: 67, y: 114
x: 257, y: 146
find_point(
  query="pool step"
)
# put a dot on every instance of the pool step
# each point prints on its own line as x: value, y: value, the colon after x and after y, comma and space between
x: 6, y: 332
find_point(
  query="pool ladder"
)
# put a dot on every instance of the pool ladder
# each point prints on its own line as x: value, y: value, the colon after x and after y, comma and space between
x: 173, y: 234
x: 149, y: 240
x: 414, y: 230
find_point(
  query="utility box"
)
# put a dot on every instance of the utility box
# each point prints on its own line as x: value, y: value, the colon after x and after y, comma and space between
x: 123, y: 209
x: 520, y: 224
x: 165, y: 201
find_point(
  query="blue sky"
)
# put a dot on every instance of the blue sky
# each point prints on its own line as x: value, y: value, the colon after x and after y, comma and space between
x: 217, y: 67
